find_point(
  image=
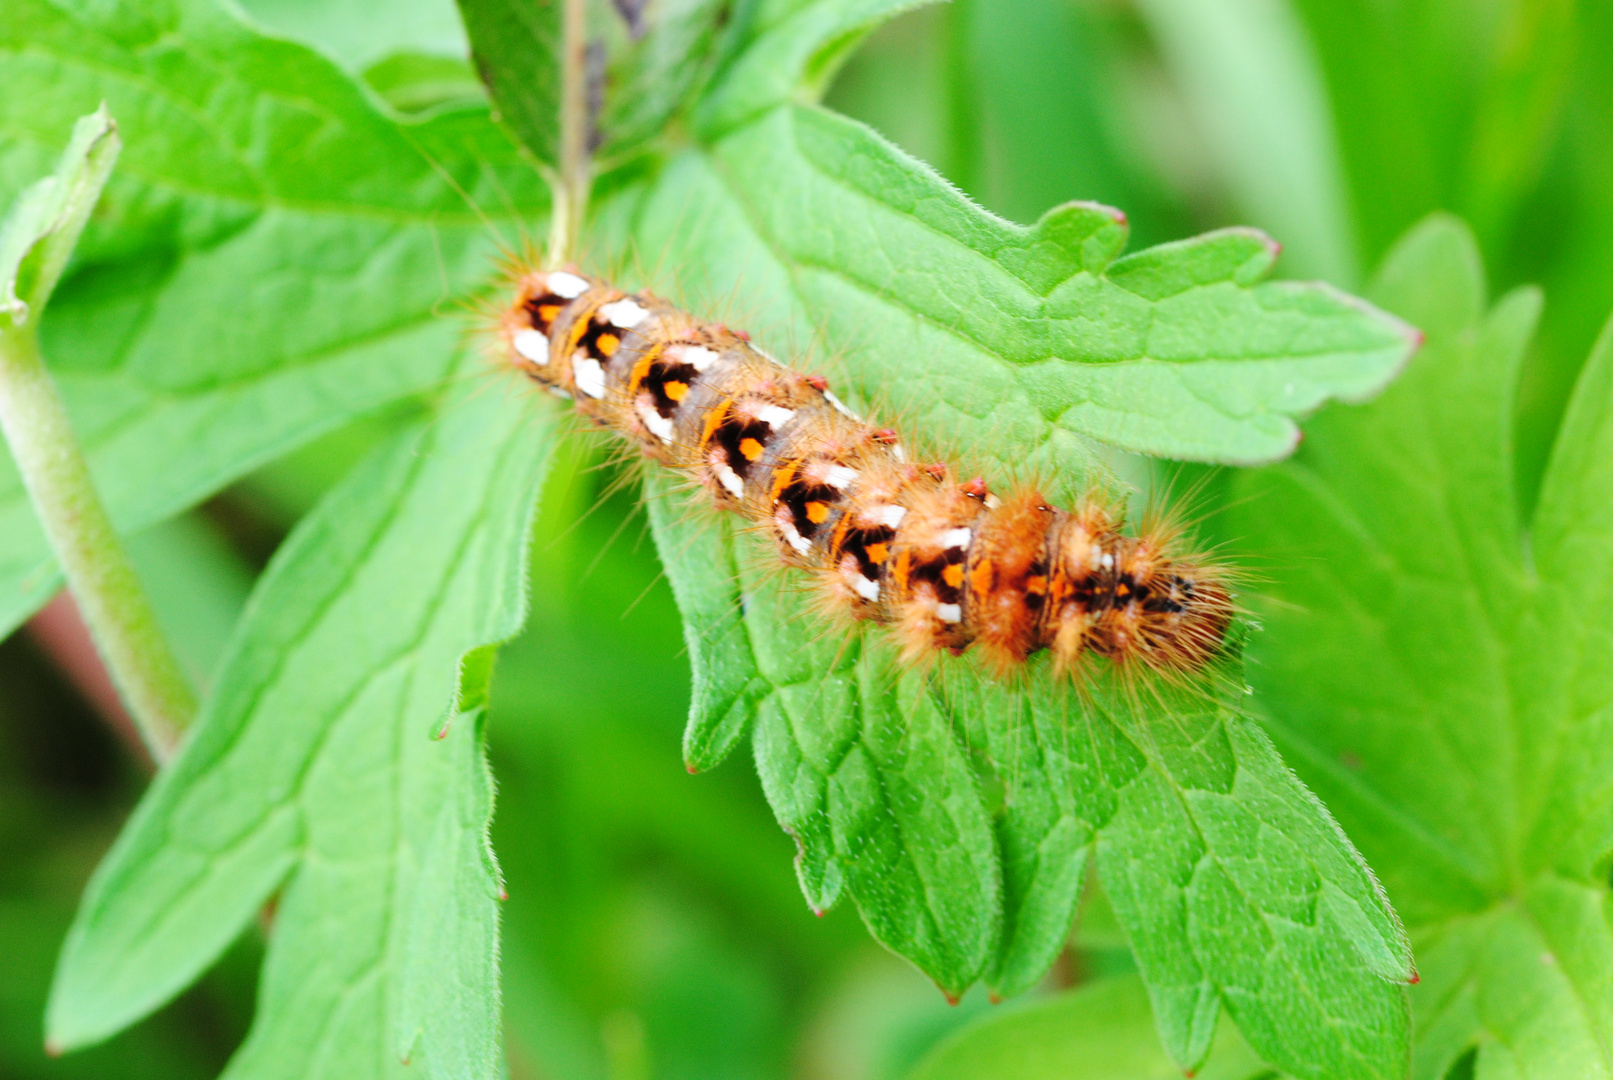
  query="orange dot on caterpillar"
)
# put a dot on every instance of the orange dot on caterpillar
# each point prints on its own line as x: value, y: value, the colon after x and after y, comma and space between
x: 946, y: 565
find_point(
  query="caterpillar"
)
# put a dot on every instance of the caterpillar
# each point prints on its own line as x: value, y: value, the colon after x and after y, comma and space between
x: 947, y: 565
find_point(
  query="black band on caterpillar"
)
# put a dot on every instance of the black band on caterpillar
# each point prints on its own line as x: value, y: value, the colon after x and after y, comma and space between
x: 946, y: 565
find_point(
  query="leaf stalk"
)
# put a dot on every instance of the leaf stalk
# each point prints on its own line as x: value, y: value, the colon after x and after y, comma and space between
x: 574, y: 174
x: 114, y: 606
x: 36, y: 240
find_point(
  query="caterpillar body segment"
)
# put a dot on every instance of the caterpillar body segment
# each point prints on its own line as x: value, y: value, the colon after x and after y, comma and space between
x: 947, y: 565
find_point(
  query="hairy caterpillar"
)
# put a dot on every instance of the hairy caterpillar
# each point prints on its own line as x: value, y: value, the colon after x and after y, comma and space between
x: 945, y: 564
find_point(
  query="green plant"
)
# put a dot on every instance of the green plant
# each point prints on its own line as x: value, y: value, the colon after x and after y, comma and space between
x: 273, y: 259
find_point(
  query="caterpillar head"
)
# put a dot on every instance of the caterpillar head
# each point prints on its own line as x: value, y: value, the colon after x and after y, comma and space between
x: 527, y: 324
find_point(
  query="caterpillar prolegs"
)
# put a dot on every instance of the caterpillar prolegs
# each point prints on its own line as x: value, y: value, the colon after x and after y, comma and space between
x: 945, y: 564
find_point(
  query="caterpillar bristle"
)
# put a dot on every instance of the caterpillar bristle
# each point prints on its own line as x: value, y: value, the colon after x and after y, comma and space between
x: 946, y: 565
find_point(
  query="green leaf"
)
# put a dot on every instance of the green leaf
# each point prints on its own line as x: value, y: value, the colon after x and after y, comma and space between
x: 672, y: 50
x: 385, y: 931
x: 351, y: 32
x: 701, y: 567
x: 908, y: 792
x: 198, y: 583
x: 1101, y: 1031
x: 587, y: 708
x: 1435, y: 665
x: 1450, y: 105
x: 1249, y: 75
x: 449, y: 979
x: 1047, y: 80
x: 516, y: 47
x: 958, y: 814
x: 1520, y: 111
x: 272, y: 259
x: 40, y: 231
x: 791, y: 50
x: 420, y: 82
x: 961, y: 838
x: 1579, y: 277
x: 980, y: 332
x: 652, y: 59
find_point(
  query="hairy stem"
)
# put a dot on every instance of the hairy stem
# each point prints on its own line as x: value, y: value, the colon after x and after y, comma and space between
x: 574, y: 175
x: 57, y: 477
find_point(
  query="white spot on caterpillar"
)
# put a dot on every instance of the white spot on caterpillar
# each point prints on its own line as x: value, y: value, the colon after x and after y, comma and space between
x: 626, y: 312
x: 567, y: 286
x: 1095, y: 556
x: 729, y: 479
x: 1108, y: 561
x: 949, y: 613
x: 889, y: 516
x: 956, y: 538
x: 774, y: 416
x: 868, y: 590
x: 560, y: 392
x: 532, y: 345
x: 896, y: 452
x: 696, y: 356
x: 589, y: 376
x: 791, y: 534
x: 840, y: 406
x: 992, y: 502
x: 839, y: 477
x: 654, y: 422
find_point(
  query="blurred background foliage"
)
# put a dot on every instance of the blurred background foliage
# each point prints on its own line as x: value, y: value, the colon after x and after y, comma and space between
x: 654, y: 927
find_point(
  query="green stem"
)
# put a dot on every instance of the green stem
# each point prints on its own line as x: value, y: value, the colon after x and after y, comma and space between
x: 120, y: 618
x: 574, y: 174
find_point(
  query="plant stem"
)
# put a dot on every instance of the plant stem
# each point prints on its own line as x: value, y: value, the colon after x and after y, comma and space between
x: 120, y: 618
x: 575, y: 170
